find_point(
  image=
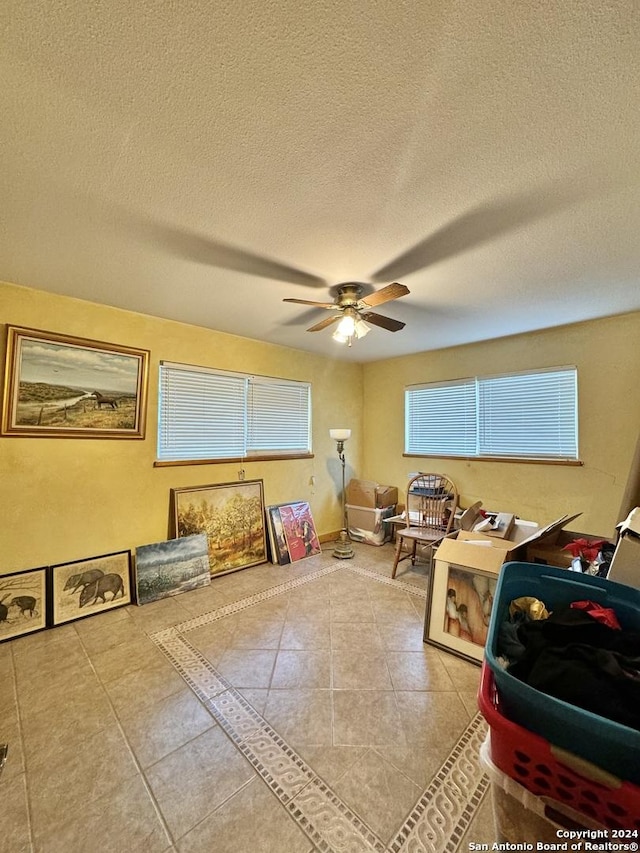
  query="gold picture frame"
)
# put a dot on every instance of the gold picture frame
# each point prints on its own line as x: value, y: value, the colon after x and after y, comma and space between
x: 59, y: 386
x: 231, y: 514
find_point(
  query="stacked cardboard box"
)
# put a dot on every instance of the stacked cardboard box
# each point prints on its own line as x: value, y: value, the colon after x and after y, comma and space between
x: 368, y: 505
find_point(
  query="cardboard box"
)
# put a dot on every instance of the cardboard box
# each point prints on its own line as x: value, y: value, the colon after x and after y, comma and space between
x: 369, y: 524
x: 550, y: 551
x: 625, y: 564
x: 368, y: 493
x: 469, y: 549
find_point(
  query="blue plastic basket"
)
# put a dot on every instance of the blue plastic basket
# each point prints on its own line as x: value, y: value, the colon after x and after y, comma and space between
x: 603, y: 742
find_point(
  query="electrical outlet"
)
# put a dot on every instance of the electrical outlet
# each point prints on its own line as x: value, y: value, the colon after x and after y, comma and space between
x: 241, y: 474
x: 312, y: 480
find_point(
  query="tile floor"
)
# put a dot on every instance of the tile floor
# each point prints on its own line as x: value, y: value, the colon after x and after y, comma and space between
x: 279, y: 710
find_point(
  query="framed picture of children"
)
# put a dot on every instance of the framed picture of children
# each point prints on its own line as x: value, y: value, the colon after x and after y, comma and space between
x: 459, y: 609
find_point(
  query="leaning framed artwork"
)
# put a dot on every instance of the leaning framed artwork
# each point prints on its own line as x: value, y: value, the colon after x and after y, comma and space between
x: 86, y: 587
x: 232, y: 516
x: 459, y: 609
x: 299, y: 530
x: 23, y: 603
x: 57, y: 386
x: 169, y: 568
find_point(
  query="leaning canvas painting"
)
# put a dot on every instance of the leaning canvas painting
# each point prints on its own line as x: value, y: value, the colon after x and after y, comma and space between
x: 169, y: 568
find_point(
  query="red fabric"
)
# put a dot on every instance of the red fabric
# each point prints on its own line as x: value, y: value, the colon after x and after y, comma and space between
x: 601, y: 614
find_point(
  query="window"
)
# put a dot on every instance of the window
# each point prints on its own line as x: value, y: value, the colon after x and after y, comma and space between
x: 208, y: 414
x: 519, y: 415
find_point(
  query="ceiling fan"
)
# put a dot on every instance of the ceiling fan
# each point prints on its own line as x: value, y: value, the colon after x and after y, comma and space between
x: 353, y: 311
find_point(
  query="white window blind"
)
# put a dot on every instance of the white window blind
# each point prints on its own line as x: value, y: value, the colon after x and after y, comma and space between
x: 441, y: 418
x: 530, y: 415
x: 207, y: 414
x: 278, y: 416
x: 521, y: 415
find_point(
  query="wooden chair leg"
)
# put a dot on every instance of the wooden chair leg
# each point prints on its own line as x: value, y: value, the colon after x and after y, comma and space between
x: 413, y: 552
x: 397, y: 559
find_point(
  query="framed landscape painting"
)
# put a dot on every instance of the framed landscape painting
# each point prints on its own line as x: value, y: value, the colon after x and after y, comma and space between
x: 232, y: 516
x: 86, y: 587
x: 459, y: 609
x: 169, y: 568
x: 23, y: 603
x: 57, y: 386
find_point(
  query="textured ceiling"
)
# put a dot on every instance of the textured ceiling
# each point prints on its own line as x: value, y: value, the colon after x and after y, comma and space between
x: 201, y: 161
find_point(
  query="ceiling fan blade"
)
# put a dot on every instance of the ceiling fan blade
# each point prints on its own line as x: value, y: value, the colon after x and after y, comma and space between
x: 387, y: 323
x: 323, y: 324
x: 309, y: 302
x: 386, y: 294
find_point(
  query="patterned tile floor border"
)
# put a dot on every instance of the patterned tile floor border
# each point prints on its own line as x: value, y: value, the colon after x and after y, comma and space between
x: 441, y: 815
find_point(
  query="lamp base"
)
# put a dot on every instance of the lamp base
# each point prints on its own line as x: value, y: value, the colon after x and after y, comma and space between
x: 343, y: 549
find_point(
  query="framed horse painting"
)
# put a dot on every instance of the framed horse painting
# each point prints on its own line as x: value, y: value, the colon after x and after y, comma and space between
x: 57, y: 386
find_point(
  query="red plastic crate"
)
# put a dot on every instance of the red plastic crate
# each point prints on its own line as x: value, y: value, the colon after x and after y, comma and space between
x: 555, y: 774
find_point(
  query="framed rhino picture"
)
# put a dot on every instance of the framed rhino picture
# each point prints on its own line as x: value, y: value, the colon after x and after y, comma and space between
x: 86, y: 587
x: 23, y: 604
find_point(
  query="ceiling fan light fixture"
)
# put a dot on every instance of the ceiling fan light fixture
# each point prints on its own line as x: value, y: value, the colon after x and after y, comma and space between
x: 361, y: 328
x: 346, y: 326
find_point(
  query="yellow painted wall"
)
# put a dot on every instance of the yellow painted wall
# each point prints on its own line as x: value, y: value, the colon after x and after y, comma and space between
x: 607, y: 355
x: 66, y: 499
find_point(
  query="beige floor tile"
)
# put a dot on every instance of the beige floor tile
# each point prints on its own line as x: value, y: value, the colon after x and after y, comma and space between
x: 422, y: 670
x: 15, y: 835
x: 256, y: 697
x: 77, y: 714
x: 52, y: 662
x: 165, y: 726
x: 159, y: 614
x: 300, y: 716
x: 379, y: 793
x: 359, y: 670
x: 418, y: 762
x: 352, y: 610
x: 394, y: 611
x: 135, y: 691
x: 432, y: 717
x: 301, y: 668
x: 10, y: 734
x: 87, y: 770
x: 212, y: 640
x: 366, y: 718
x: 363, y: 636
x: 196, y: 779
x: 250, y: 633
x: 406, y: 637
x: 106, y: 635
x: 312, y: 610
x: 272, y: 610
x: 124, y: 819
x: 469, y: 699
x: 125, y: 658
x: 269, y: 829
x: 312, y: 634
x: 247, y: 668
x: 465, y: 675
x: 330, y: 762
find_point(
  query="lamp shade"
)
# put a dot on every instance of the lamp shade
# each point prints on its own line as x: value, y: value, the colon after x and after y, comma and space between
x: 340, y: 434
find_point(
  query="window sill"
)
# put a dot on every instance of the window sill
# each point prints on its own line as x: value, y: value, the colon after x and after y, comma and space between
x: 521, y: 460
x: 242, y: 459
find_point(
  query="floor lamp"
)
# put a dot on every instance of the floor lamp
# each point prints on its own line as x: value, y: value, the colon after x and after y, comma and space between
x: 343, y: 549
